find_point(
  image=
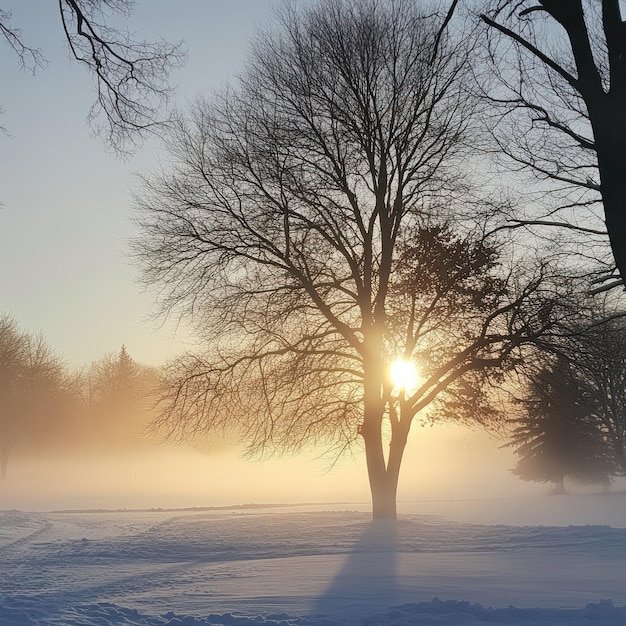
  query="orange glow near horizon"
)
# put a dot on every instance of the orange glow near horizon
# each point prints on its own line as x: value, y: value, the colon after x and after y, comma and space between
x: 440, y: 463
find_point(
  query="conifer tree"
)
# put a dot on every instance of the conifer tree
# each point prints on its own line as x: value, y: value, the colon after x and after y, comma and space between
x: 558, y: 437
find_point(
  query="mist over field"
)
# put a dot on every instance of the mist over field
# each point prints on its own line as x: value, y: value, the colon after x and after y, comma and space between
x: 443, y: 465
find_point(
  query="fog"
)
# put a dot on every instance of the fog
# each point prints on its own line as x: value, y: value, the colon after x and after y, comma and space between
x: 85, y: 441
x: 443, y: 463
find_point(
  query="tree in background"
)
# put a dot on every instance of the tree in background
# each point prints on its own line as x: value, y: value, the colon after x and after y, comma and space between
x: 312, y: 229
x: 559, y: 435
x: 11, y: 355
x: 130, y: 75
x: 561, y: 97
x: 33, y: 386
x: 597, y: 355
x: 116, y: 379
x: 45, y: 409
x: 117, y: 396
x: 577, y: 386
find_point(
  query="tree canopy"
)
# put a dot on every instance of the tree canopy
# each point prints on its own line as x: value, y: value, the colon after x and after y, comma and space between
x: 33, y: 386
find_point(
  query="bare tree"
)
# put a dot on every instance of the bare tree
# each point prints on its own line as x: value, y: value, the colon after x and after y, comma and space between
x: 32, y: 381
x: 115, y: 402
x: 306, y: 228
x: 130, y: 75
x: 561, y: 91
x: 11, y: 351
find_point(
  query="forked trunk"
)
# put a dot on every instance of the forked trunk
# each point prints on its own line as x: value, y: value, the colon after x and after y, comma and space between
x: 382, y: 472
x: 383, y: 476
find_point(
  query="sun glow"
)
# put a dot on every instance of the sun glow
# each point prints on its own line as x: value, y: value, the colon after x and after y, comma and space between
x: 404, y: 374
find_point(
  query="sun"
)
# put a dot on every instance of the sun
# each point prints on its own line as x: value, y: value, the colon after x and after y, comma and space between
x: 404, y: 374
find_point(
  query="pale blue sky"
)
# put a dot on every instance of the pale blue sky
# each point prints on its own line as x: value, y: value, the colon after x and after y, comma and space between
x: 66, y: 218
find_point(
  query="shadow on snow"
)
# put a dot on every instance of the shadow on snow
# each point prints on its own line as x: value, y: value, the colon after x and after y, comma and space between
x: 369, y: 577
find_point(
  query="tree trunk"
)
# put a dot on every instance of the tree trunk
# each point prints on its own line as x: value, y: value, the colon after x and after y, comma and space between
x: 609, y: 131
x: 383, y: 491
x: 383, y: 477
x: 382, y: 473
x: 384, y: 499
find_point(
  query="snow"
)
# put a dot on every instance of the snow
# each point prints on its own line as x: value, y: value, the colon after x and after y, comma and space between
x: 315, y: 566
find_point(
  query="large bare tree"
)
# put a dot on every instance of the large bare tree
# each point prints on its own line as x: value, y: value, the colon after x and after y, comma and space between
x: 561, y: 89
x: 309, y: 223
x: 130, y: 75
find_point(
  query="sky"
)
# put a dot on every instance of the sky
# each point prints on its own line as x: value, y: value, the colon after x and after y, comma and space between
x: 65, y: 222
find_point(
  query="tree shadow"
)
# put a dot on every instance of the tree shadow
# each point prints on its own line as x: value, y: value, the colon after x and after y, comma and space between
x: 368, y: 580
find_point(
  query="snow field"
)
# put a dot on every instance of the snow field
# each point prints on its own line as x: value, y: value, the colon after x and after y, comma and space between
x: 285, y: 566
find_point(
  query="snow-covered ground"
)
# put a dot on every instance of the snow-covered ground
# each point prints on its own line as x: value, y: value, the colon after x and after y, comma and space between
x: 319, y: 565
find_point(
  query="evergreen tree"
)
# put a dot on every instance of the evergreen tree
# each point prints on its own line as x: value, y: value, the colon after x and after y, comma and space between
x: 599, y: 358
x: 117, y: 390
x: 559, y: 437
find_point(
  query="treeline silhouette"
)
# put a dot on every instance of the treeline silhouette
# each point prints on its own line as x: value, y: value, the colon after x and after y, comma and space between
x: 46, y: 407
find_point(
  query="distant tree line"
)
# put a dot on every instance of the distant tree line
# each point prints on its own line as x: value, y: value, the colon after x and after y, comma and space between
x: 46, y: 407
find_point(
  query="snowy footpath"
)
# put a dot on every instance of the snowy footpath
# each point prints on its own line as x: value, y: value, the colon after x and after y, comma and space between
x: 308, y: 567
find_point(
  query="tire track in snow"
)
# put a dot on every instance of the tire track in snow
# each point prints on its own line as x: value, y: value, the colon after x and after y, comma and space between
x: 13, y: 523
